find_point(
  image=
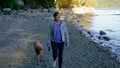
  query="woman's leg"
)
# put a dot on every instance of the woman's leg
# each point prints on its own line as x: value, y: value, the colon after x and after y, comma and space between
x: 54, y: 50
x: 61, y: 48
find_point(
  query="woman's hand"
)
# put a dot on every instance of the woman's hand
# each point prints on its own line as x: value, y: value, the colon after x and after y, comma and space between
x: 48, y: 46
x: 66, y: 44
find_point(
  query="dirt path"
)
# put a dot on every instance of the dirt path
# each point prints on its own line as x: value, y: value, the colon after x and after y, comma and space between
x: 18, y: 32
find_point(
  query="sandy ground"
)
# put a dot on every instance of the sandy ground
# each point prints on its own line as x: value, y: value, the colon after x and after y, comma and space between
x: 19, y: 32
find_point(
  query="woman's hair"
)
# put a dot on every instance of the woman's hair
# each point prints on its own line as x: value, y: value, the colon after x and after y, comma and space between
x: 55, y: 14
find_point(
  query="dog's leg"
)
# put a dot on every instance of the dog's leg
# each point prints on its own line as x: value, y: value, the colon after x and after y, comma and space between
x: 41, y: 57
x: 38, y: 60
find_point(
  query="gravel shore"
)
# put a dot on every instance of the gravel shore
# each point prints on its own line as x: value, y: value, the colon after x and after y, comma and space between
x: 18, y: 33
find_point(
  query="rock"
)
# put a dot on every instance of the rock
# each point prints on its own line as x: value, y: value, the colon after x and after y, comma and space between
x: 106, y: 38
x: 45, y: 10
x: 7, y: 11
x: 113, y: 55
x: 20, y: 2
x: 9, y: 65
x: 49, y: 10
x: 89, y: 32
x: 84, y: 32
x: 80, y: 31
x: 83, y: 10
x: 101, y: 42
x: 110, y: 30
x: 15, y: 12
x: 0, y: 12
x: 52, y: 10
x: 102, y: 32
x: 99, y: 37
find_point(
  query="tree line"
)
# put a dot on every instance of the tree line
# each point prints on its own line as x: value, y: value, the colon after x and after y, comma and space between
x: 13, y: 4
x: 10, y: 4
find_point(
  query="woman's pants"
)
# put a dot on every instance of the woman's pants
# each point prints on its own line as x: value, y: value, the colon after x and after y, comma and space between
x: 57, y: 49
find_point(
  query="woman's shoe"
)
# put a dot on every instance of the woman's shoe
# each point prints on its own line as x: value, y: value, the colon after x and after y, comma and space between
x: 54, y: 64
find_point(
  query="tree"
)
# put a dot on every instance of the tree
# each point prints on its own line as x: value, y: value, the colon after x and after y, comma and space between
x: 10, y: 4
x: 75, y: 3
x: 90, y: 3
x: 1, y: 2
x: 39, y: 3
x: 46, y: 3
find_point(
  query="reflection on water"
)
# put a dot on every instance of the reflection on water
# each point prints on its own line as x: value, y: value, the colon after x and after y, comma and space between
x: 86, y: 21
x: 110, y: 23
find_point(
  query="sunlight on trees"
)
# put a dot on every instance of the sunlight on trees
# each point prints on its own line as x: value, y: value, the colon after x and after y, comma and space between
x: 108, y: 3
x: 90, y: 3
x: 58, y: 3
x: 74, y: 3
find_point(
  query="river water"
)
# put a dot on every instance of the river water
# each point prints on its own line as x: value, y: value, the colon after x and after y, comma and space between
x: 107, y: 20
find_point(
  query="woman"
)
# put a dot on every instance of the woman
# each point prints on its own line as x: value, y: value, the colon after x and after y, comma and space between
x: 58, y: 37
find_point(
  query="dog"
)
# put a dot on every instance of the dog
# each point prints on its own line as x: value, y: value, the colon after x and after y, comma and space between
x: 39, y: 51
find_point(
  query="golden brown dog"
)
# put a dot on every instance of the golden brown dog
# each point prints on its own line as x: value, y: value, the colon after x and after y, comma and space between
x: 38, y: 50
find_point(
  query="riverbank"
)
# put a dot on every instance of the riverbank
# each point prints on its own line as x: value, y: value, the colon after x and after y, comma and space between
x: 18, y: 33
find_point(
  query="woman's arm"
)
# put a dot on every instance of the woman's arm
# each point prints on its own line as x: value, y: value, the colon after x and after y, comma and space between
x: 49, y: 35
x: 67, y: 35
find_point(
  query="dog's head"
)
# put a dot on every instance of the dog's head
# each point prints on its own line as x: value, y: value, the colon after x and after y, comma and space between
x: 38, y: 45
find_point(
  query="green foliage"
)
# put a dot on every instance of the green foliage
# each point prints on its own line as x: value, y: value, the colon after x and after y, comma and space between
x: 83, y: 2
x: 33, y: 3
x: 8, y: 4
x: 28, y: 3
x: 11, y: 4
x: 47, y: 3
x: 90, y: 3
x: 18, y: 6
x: 38, y: 3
